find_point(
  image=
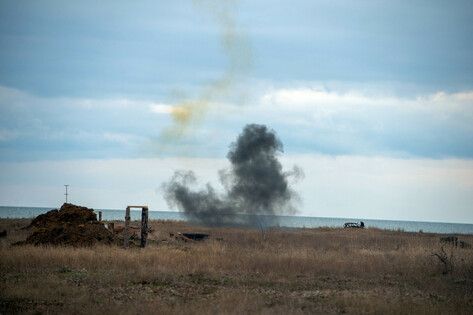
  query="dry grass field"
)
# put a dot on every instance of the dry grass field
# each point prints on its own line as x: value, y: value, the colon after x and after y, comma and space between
x: 280, y: 271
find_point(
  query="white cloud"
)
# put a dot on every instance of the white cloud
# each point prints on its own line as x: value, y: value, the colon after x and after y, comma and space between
x: 353, y: 122
x: 161, y: 108
x: 305, y: 98
x: 308, y: 96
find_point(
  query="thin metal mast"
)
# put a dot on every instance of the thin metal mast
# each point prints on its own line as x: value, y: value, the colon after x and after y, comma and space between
x: 66, y: 192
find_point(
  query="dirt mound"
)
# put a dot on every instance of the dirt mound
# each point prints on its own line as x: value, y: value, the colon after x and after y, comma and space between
x: 68, y: 213
x: 71, y: 225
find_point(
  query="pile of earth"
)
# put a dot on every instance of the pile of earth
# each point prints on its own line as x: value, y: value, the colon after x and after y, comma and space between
x: 71, y: 225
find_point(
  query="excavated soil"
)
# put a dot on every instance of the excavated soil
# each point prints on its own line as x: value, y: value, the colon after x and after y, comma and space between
x: 71, y: 225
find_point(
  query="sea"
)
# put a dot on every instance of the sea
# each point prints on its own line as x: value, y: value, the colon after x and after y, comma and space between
x: 280, y: 221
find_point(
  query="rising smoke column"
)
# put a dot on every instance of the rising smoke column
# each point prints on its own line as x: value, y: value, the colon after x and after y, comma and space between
x: 255, y: 184
x: 238, y: 53
x: 258, y: 183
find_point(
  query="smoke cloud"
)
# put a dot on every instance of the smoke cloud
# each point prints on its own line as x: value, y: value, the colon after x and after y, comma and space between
x: 255, y: 184
x: 239, y: 59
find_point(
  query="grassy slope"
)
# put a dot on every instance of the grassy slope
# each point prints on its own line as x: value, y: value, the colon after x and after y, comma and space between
x: 239, y: 271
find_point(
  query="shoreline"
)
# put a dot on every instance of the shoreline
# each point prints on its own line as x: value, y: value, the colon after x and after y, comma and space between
x: 278, y: 221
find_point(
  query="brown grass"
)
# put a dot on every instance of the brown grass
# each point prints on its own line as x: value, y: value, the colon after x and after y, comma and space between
x: 239, y: 271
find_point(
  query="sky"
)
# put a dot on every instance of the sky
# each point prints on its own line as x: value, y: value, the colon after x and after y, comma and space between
x: 372, y: 99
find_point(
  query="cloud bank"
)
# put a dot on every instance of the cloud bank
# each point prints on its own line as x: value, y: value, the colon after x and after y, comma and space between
x: 308, y: 120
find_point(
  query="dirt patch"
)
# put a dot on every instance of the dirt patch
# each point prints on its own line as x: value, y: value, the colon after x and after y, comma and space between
x: 71, y: 225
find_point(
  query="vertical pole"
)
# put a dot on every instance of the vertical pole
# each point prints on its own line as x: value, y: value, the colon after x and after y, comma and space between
x: 144, y: 226
x: 111, y: 227
x: 126, y: 235
x: 100, y: 216
x: 66, y: 192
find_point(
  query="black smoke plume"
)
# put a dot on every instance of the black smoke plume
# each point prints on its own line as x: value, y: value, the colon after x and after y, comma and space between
x: 254, y: 185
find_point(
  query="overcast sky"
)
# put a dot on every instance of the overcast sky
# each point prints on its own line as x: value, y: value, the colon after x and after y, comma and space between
x: 372, y: 99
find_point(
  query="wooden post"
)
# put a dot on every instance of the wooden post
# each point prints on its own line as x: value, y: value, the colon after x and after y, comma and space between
x: 100, y: 216
x: 111, y: 227
x: 144, y: 226
x: 126, y: 235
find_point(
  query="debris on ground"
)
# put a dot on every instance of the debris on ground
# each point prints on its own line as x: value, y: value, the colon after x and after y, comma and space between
x: 355, y: 225
x: 186, y: 237
x: 196, y: 236
x: 71, y: 225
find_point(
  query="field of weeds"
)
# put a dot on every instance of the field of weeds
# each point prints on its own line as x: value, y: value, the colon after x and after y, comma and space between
x: 285, y: 271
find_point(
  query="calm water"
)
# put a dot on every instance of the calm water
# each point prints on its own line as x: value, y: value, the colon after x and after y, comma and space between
x: 284, y: 221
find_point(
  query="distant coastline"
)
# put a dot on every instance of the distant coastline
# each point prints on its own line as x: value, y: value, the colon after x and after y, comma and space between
x: 282, y: 221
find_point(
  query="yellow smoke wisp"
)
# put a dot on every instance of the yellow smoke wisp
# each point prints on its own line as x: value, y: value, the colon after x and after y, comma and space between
x: 238, y: 53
